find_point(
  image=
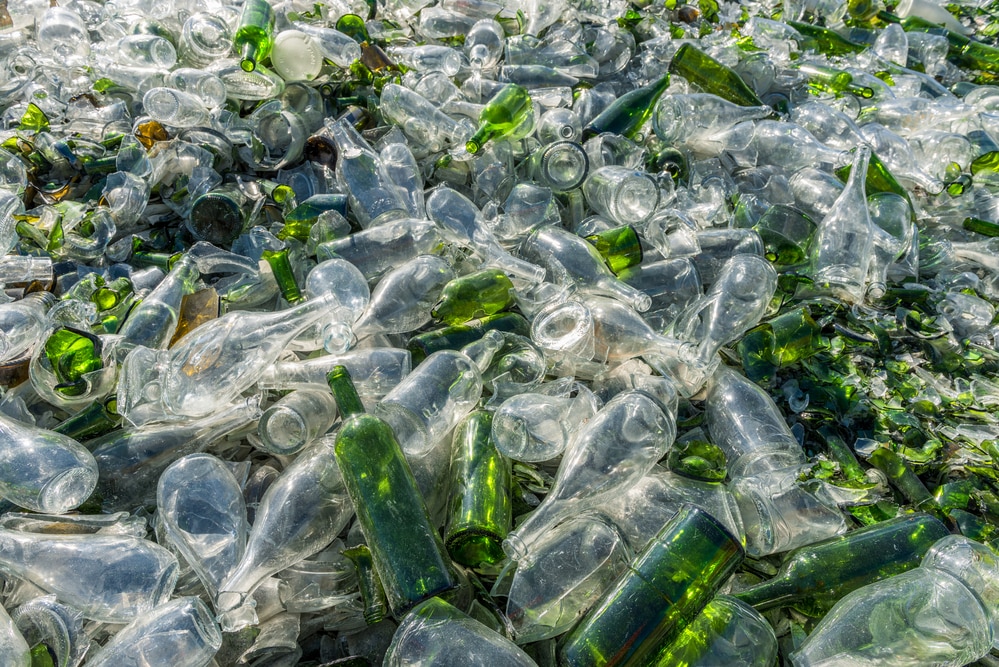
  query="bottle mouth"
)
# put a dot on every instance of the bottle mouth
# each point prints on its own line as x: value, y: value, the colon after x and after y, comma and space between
x: 282, y: 430
x: 564, y: 166
x: 566, y: 327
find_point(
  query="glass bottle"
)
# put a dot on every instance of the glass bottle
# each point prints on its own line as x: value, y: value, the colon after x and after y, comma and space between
x: 820, y: 574
x: 941, y: 613
x: 201, y: 508
x: 481, y: 504
x: 628, y: 113
x: 662, y: 591
x: 458, y: 336
x: 254, y: 37
x: 437, y: 632
x: 131, y: 459
x: 109, y: 578
x: 377, y: 250
x: 42, y: 470
x: 220, y: 216
x: 604, y: 457
x: 509, y: 114
x: 473, y: 296
x: 843, y: 245
x: 372, y: 196
x: 711, y: 76
x: 295, y: 420
x: 301, y: 512
x: 401, y: 301
x: 620, y: 247
x: 375, y: 370
x: 748, y: 426
x: 407, y: 551
x: 441, y: 390
x: 214, y: 363
x: 573, y: 261
x: 153, y: 322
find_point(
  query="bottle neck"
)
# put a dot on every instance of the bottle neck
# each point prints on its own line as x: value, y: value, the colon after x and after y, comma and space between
x: 769, y: 594
x: 348, y: 402
x: 248, y: 60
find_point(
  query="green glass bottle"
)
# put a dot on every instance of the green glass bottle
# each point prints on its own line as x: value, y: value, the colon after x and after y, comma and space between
x: 983, y: 227
x: 298, y: 222
x: 407, y: 552
x: 786, y: 233
x: 93, y: 421
x: 825, y: 41
x: 827, y: 79
x: 962, y: 50
x: 620, y: 247
x: 713, y: 77
x: 509, y: 114
x: 372, y: 594
x: 627, y: 114
x: 72, y: 354
x: 473, y: 296
x: 822, y: 573
x: 903, y: 478
x: 284, y: 275
x: 458, y: 336
x: 254, y: 37
x: 659, y: 594
x: 481, y: 506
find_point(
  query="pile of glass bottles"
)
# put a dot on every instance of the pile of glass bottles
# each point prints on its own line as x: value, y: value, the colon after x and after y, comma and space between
x: 460, y: 333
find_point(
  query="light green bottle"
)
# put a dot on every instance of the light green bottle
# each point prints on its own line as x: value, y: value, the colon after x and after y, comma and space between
x: 407, y: 551
x: 255, y: 35
x: 620, y: 247
x: 474, y: 296
x: 509, y: 114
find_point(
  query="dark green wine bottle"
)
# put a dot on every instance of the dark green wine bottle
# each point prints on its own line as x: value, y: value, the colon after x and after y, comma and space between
x: 711, y: 76
x: 458, y: 336
x: 473, y: 296
x: 93, y: 421
x: 980, y: 226
x: 824, y: 572
x: 481, y: 506
x: 505, y: 115
x: 658, y: 595
x: 407, y: 551
x: 627, y: 114
x: 620, y: 247
x: 254, y: 37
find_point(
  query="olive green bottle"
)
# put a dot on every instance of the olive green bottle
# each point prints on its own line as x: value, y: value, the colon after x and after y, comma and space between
x: 627, y: 114
x: 509, y: 114
x: 298, y: 222
x: 824, y: 572
x: 254, y: 37
x: 481, y: 506
x: 475, y: 295
x: 92, y: 421
x: 407, y: 552
x: 659, y: 594
x: 713, y: 77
